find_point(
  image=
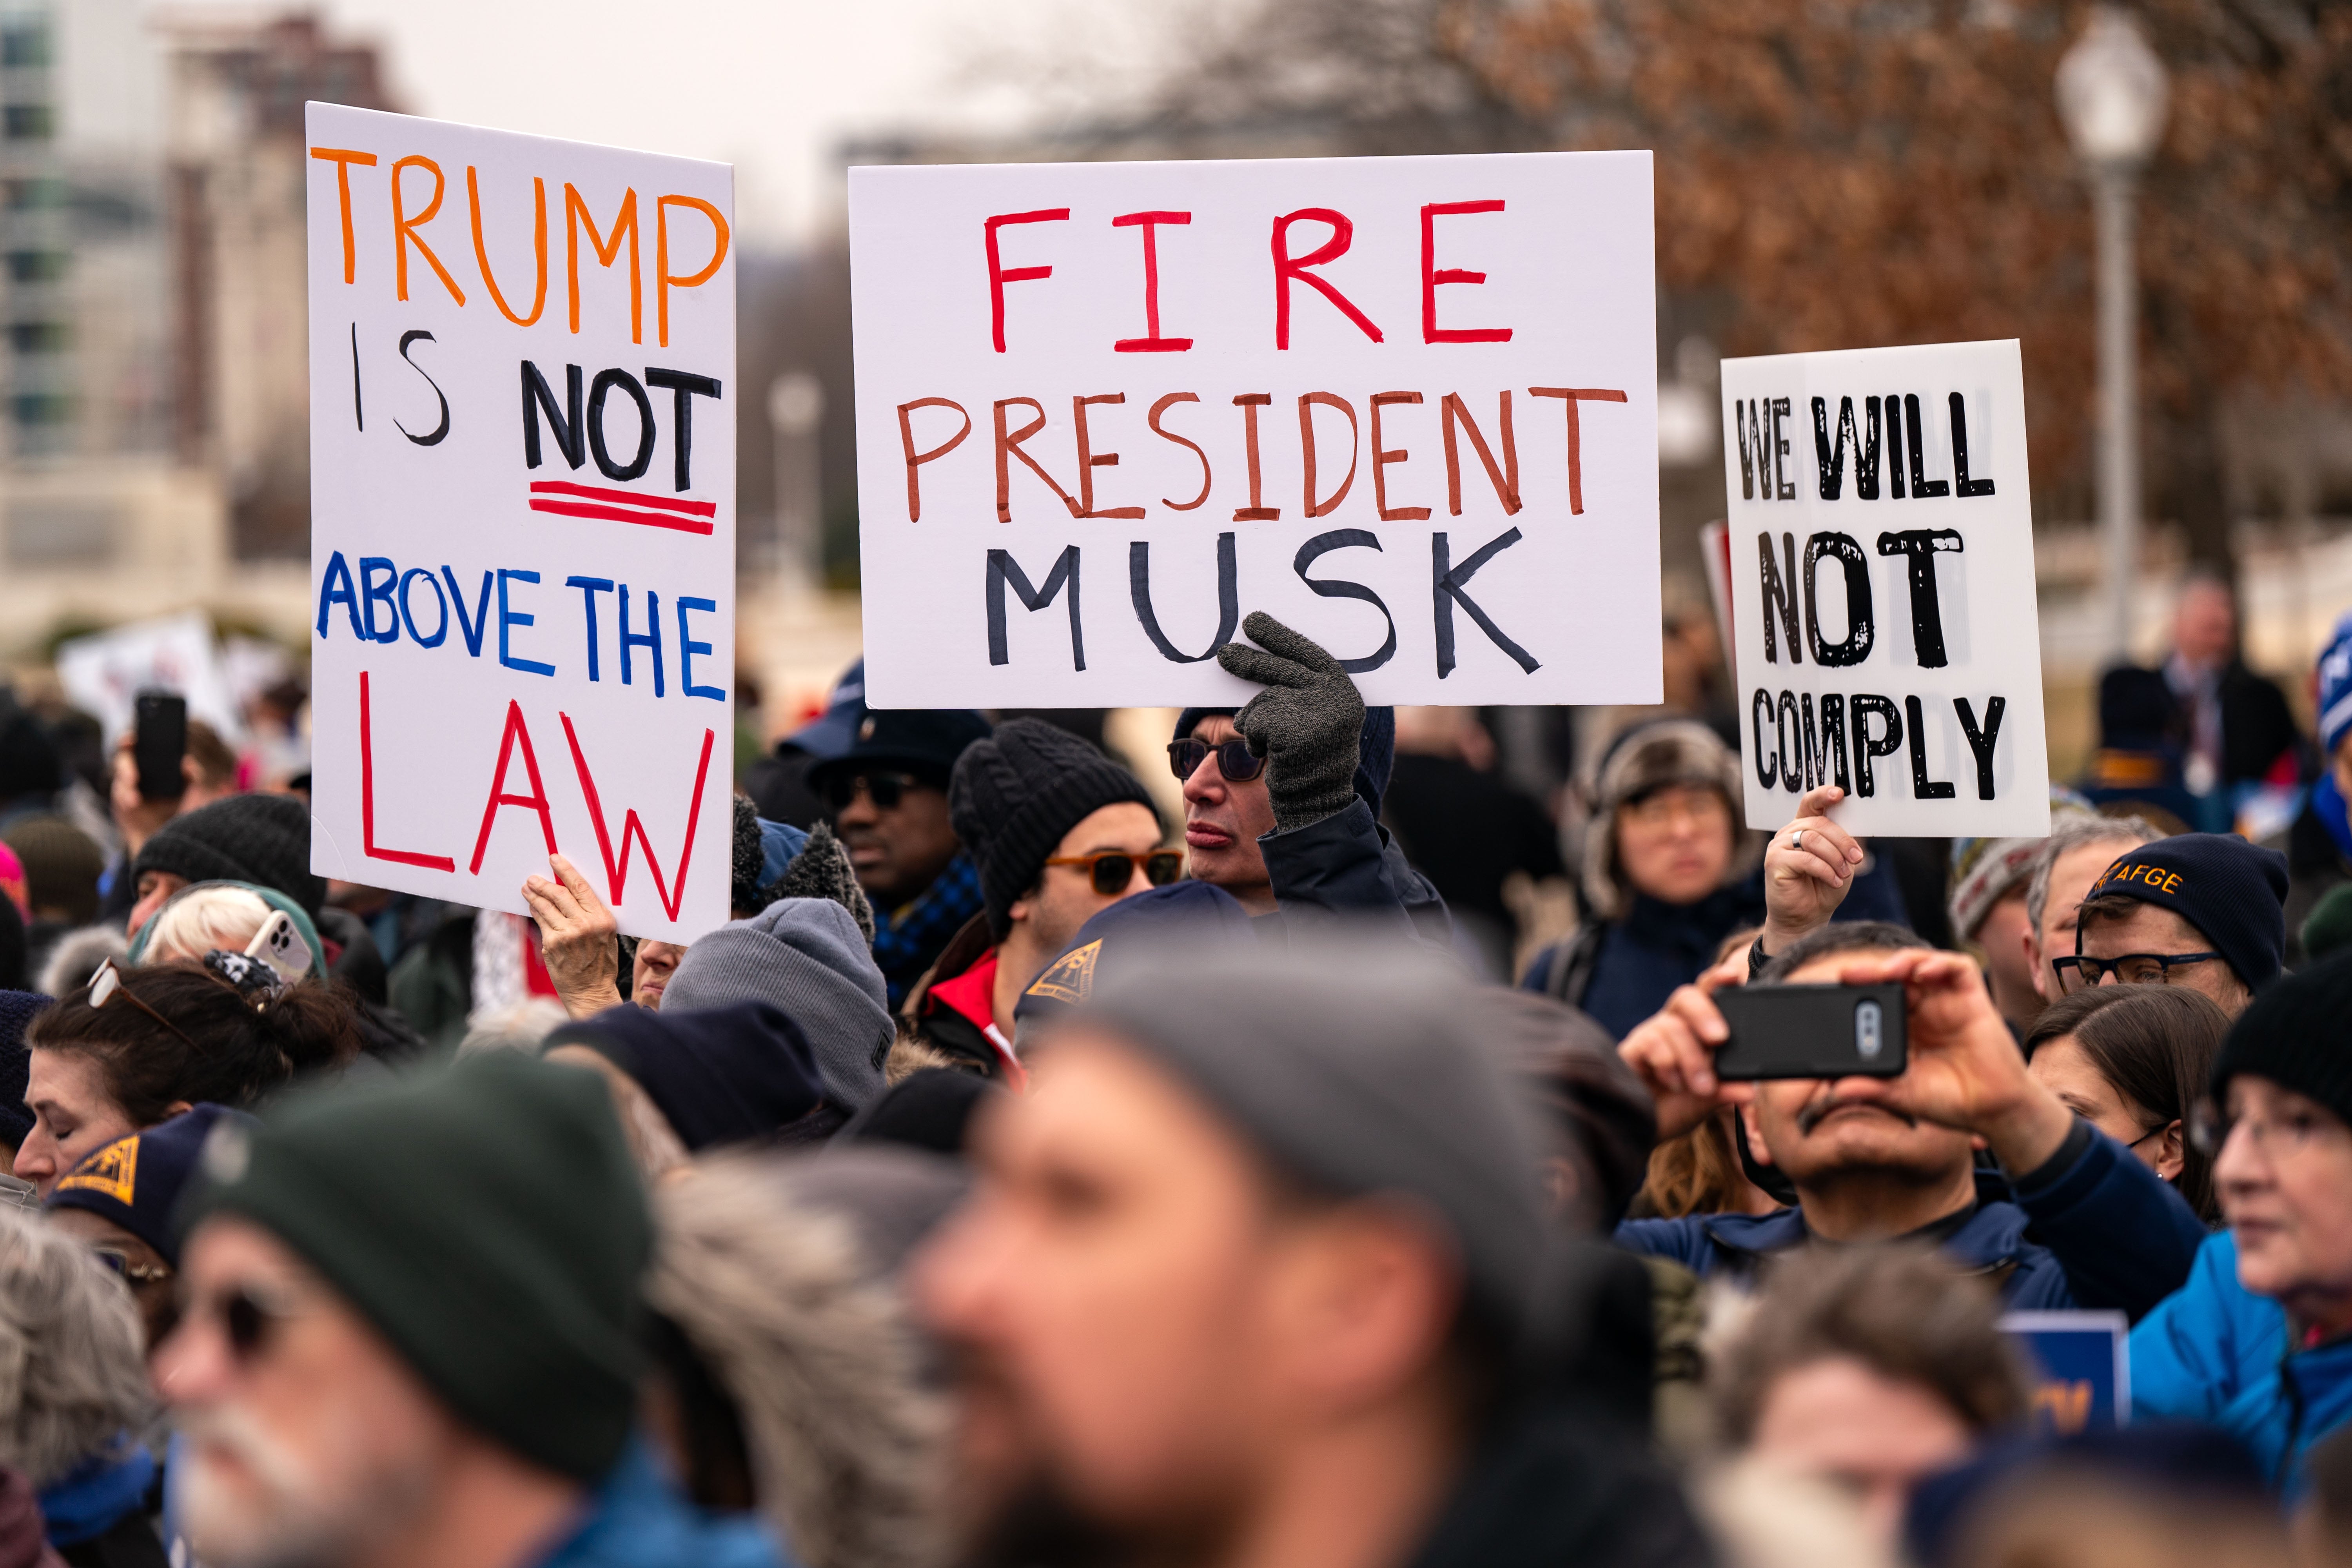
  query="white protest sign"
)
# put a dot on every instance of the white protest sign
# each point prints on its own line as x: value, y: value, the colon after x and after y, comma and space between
x: 523, y: 547
x: 1407, y: 406
x: 104, y: 673
x: 1882, y: 563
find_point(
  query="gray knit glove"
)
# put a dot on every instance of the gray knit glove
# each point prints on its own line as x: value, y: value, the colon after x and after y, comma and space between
x: 1308, y: 722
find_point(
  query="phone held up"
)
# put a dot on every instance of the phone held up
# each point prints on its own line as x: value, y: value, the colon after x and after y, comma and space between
x: 160, y: 743
x: 1812, y: 1031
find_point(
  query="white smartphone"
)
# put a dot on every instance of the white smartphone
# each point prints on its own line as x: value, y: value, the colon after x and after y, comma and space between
x: 280, y: 946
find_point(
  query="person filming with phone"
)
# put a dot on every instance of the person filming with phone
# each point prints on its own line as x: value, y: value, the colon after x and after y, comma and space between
x: 1871, y: 1071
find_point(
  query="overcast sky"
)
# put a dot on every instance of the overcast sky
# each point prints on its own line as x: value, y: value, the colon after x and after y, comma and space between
x: 770, y: 86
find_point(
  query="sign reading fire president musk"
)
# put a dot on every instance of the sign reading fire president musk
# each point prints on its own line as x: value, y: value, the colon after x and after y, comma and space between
x: 1882, y: 565
x: 1407, y: 406
x: 523, y: 504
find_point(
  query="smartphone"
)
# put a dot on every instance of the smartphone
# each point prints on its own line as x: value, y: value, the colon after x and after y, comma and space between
x: 280, y: 946
x: 160, y: 743
x: 1812, y: 1031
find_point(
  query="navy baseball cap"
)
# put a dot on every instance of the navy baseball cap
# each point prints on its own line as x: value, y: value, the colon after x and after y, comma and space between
x: 835, y: 730
x: 2233, y: 891
x: 136, y: 1181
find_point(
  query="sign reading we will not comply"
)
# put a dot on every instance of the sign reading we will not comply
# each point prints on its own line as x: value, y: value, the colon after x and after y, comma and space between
x: 1884, y: 625
x: 1407, y: 406
x: 522, y: 461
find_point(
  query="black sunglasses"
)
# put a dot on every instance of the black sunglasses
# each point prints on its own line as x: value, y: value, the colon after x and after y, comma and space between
x: 886, y: 789
x: 1113, y: 869
x: 1235, y: 758
x: 249, y: 1315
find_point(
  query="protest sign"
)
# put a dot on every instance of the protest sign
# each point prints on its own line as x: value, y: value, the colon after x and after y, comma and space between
x: 104, y: 673
x: 2080, y: 1363
x: 522, y: 460
x: 1407, y: 406
x: 1882, y: 556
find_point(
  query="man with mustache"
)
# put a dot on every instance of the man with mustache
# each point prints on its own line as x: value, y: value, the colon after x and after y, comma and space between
x: 2068, y: 1218
x: 409, y: 1337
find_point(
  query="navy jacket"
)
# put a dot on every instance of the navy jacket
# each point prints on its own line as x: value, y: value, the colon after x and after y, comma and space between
x: 1347, y: 864
x: 2093, y: 1227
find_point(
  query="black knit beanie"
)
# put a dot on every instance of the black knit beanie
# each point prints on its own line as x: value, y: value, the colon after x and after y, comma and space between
x: 260, y: 839
x: 2293, y: 1035
x: 2232, y: 891
x: 487, y: 1220
x: 1017, y: 793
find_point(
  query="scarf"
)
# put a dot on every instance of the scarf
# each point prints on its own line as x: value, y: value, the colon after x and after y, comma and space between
x: 911, y: 937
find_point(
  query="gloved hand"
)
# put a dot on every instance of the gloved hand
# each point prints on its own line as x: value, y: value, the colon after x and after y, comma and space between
x: 1308, y: 722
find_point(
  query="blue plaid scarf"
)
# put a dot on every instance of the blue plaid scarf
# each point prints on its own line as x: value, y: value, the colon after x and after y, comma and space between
x: 907, y: 941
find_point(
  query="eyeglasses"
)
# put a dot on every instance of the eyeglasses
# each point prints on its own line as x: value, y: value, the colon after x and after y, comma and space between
x: 116, y: 1259
x: 886, y: 790
x: 2076, y: 972
x: 2210, y: 1126
x: 107, y: 984
x: 249, y: 1315
x: 1113, y: 869
x: 1235, y: 758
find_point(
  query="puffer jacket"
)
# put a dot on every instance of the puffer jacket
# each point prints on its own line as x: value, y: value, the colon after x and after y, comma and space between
x: 2217, y: 1353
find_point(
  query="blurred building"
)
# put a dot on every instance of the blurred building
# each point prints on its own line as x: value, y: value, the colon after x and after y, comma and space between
x: 154, y: 428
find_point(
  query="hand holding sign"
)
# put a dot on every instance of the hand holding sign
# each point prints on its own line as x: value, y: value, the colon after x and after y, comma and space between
x: 1809, y: 868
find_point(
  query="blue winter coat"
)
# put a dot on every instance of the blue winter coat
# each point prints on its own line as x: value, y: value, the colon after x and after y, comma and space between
x: 2100, y: 1230
x: 2215, y: 1351
x: 1346, y: 865
x: 636, y: 1519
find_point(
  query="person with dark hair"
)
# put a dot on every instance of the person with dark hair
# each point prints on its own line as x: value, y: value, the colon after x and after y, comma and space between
x: 2133, y: 1061
x: 1568, y: 1068
x: 121, y: 1200
x: 1878, y: 1159
x: 62, y: 865
x: 2203, y: 909
x: 1282, y: 796
x: 1277, y: 1285
x: 1871, y: 1368
x: 888, y: 798
x: 141, y: 1045
x: 1058, y: 832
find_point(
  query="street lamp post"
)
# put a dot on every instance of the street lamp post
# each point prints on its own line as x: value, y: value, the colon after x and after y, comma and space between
x: 2111, y: 95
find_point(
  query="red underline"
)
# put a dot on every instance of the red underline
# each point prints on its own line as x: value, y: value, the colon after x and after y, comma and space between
x: 624, y: 498
x: 623, y: 514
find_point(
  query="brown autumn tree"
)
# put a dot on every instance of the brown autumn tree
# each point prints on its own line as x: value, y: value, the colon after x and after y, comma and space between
x: 1850, y: 173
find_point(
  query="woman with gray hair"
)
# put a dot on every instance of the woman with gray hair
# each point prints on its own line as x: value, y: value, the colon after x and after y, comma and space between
x: 73, y: 1394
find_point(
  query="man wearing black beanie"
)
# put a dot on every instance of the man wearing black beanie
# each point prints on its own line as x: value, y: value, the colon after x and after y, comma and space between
x: 2202, y: 910
x: 1058, y: 831
x: 411, y: 1336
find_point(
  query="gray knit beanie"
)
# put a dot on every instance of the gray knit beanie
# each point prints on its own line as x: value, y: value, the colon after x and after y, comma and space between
x: 1015, y: 797
x: 807, y: 958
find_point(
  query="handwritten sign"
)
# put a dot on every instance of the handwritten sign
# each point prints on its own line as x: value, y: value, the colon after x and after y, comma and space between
x: 1407, y: 406
x: 1882, y: 558
x: 2081, y: 1369
x: 522, y: 458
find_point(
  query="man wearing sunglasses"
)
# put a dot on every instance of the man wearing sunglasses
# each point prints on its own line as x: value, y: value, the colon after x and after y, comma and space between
x: 1282, y: 796
x: 888, y: 795
x: 410, y: 1336
x: 1057, y: 831
x: 2203, y: 909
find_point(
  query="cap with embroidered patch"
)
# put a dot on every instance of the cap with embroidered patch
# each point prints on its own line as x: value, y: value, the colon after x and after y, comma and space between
x: 2232, y: 891
x: 1117, y: 937
x: 136, y: 1181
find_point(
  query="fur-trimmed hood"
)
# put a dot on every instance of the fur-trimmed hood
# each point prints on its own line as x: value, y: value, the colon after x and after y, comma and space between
x: 1666, y: 751
x: 799, y: 1319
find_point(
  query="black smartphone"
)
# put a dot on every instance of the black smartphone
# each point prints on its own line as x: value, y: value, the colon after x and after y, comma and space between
x: 160, y: 743
x: 1812, y: 1031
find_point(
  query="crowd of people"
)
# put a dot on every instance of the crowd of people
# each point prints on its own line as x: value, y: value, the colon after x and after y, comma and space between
x: 1020, y: 1179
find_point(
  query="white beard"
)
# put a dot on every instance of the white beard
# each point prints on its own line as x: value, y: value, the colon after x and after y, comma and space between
x: 289, y: 1508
